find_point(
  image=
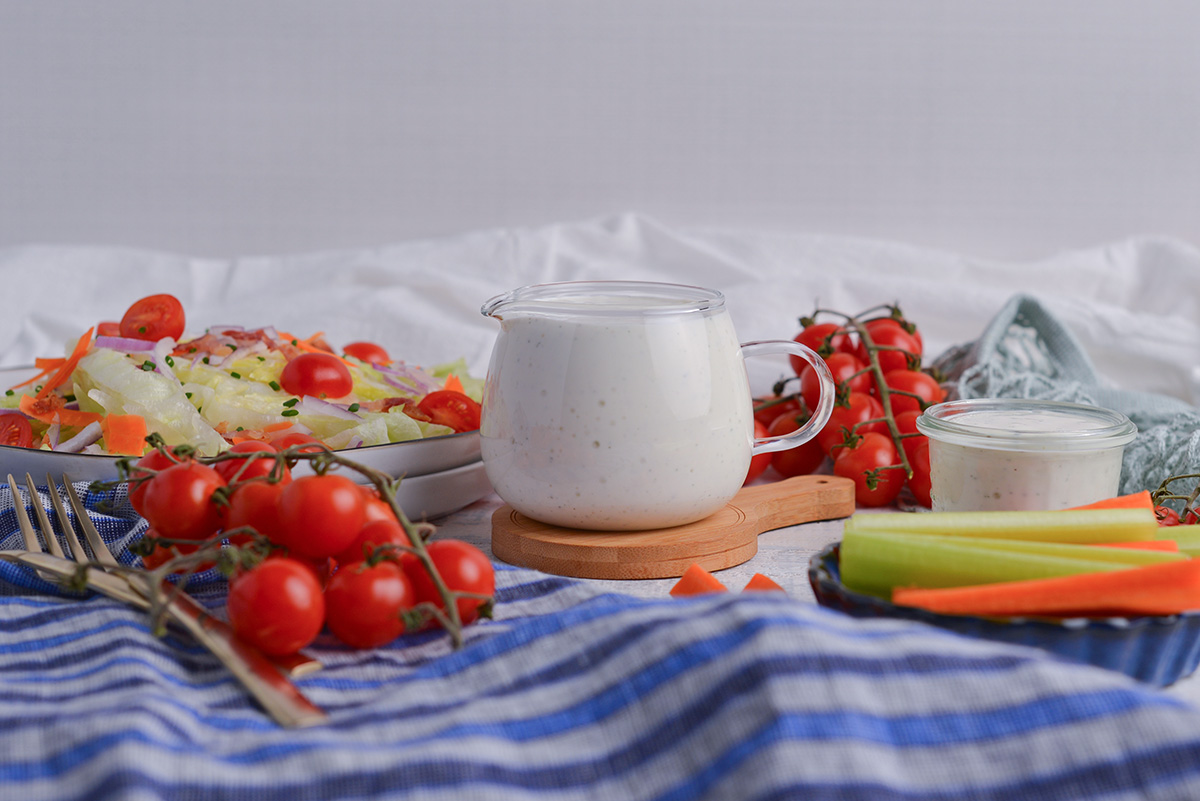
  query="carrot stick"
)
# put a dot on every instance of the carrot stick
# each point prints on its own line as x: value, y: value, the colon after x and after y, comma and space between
x: 47, y: 412
x: 124, y: 434
x: 64, y: 371
x: 696, y: 581
x: 760, y: 583
x: 1162, y: 589
x: 1169, y: 546
x: 1135, y: 500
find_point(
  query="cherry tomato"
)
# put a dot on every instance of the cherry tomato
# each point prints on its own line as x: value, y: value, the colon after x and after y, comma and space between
x: 364, y: 604
x: 15, y: 430
x: 873, y: 452
x: 178, y: 501
x: 916, y: 383
x: 462, y: 566
x: 453, y: 409
x: 374, y: 507
x: 857, y: 409
x: 801, y: 460
x: 319, y: 516
x: 895, y: 343
x: 277, y: 606
x: 1167, y: 516
x: 154, y: 460
x: 153, y: 318
x: 919, y: 482
x: 906, y: 424
x: 294, y: 439
x: 250, y: 467
x: 108, y: 328
x: 373, y: 534
x: 163, y: 553
x: 321, y: 375
x: 255, y: 504
x: 759, y: 463
x: 767, y: 409
x: 847, y: 372
x: 825, y: 339
x: 368, y: 352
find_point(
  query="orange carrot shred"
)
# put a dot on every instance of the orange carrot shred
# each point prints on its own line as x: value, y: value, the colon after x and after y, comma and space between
x: 124, y: 434
x: 760, y: 583
x: 51, y: 411
x: 1160, y: 589
x: 1170, y: 546
x: 696, y: 581
x: 64, y: 371
x: 454, y: 384
x: 1134, y: 500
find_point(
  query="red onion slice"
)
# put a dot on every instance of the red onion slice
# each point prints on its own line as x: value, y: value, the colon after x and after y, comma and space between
x: 315, y: 406
x: 125, y: 344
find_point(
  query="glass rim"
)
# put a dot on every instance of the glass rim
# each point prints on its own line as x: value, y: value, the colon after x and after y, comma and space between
x: 568, y: 298
x: 949, y: 422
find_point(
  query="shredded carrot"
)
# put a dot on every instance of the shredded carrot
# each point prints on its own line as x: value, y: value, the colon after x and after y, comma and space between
x: 1170, y: 546
x: 454, y: 384
x: 1134, y: 500
x: 1166, y: 588
x: 696, y: 581
x: 760, y: 583
x: 124, y: 434
x: 48, y: 409
x: 280, y: 426
x: 64, y: 371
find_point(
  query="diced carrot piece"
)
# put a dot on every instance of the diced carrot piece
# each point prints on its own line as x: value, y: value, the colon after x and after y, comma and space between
x: 124, y: 434
x: 760, y: 583
x: 697, y: 581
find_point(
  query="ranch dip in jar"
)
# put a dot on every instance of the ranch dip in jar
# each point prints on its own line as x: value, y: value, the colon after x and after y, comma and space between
x: 1011, y: 454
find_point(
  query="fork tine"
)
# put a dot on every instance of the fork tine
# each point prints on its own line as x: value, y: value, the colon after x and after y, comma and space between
x: 99, y: 549
x: 27, y: 532
x: 64, y: 521
x: 39, y: 512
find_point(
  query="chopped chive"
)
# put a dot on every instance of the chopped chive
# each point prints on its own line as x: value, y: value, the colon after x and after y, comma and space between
x: 141, y: 329
x: 240, y: 428
x: 354, y: 407
x: 262, y: 358
x: 147, y: 365
x: 170, y: 362
x: 9, y: 392
x: 294, y: 342
x: 235, y: 374
x: 189, y: 395
x: 290, y: 412
x: 274, y: 385
x: 231, y: 346
x: 205, y: 360
x: 292, y: 402
x: 69, y: 398
x: 192, y: 349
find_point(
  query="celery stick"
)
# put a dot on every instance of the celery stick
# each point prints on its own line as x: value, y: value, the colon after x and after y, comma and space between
x: 1131, y: 557
x: 875, y: 563
x: 1186, y: 536
x: 1077, y: 526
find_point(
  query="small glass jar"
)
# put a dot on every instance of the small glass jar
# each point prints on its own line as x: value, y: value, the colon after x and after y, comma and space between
x: 1006, y: 454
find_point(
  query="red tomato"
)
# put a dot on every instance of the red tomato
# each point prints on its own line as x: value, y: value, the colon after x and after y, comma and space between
x: 801, y: 460
x: 368, y: 352
x: 873, y: 486
x: 919, y: 482
x: 321, y: 375
x: 154, y: 460
x: 250, y: 467
x: 454, y: 409
x: 153, y: 318
x: 859, y: 407
x: 364, y: 604
x: 847, y: 371
x: 15, y: 430
x: 912, y: 382
x: 178, y: 501
x: 895, y: 343
x: 373, y: 534
x: 294, y: 439
x: 319, y: 516
x: 255, y: 504
x: 825, y: 339
x: 375, y: 508
x: 906, y: 424
x: 758, y: 464
x: 462, y: 566
x: 108, y: 328
x: 1167, y: 516
x: 767, y: 409
x: 162, y: 554
x: 277, y: 606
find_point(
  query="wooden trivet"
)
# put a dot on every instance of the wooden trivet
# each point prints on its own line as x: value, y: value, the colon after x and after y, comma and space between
x: 724, y: 539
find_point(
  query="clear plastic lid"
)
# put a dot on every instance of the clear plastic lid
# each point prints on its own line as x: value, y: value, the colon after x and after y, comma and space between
x: 1026, y: 425
x: 605, y: 299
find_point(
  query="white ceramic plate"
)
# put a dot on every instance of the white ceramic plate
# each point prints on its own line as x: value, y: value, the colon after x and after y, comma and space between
x: 436, y: 494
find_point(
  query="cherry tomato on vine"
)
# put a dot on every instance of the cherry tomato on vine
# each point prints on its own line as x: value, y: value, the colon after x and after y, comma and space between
x: 368, y: 352
x: 895, y: 344
x: 873, y: 485
x: 374, y: 506
x: 154, y: 460
x: 373, y: 534
x: 319, y: 516
x: 179, y: 503
x: 914, y: 382
x: 294, y: 439
x: 801, y: 460
x: 153, y: 318
x: 847, y: 370
x: 15, y: 430
x: 250, y: 467
x: 255, y: 504
x: 859, y: 407
x: 163, y: 553
x: 462, y: 566
x: 759, y: 463
x: 364, y: 603
x: 767, y: 409
x: 824, y: 339
x: 321, y: 375
x: 1167, y: 516
x: 906, y: 424
x: 277, y: 606
x: 450, y: 408
x: 920, y: 482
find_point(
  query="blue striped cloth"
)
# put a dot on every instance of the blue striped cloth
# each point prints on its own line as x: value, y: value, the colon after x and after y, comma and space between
x: 571, y: 694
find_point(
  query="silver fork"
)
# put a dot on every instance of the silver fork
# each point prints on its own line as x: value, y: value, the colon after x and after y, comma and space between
x: 264, y: 679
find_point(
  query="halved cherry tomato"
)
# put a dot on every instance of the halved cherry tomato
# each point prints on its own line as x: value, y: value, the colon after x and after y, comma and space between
x: 15, y: 430
x: 153, y: 318
x: 319, y: 516
x: 250, y: 467
x: 321, y: 375
x: 364, y: 604
x: 178, y: 501
x: 368, y: 352
x: 758, y: 464
x: 454, y: 409
x: 108, y: 328
x: 277, y: 606
x: 294, y: 439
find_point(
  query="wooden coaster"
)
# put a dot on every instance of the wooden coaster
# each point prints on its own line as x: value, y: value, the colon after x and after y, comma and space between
x: 724, y: 539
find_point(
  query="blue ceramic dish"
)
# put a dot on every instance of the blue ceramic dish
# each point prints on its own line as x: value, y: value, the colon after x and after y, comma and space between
x: 1158, y: 650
